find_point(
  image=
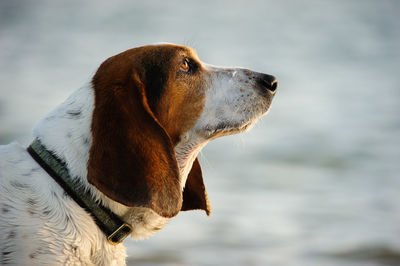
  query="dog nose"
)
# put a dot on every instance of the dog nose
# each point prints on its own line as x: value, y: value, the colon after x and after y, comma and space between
x: 268, y: 81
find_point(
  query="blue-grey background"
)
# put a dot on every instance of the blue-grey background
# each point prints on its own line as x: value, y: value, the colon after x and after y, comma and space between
x: 316, y: 182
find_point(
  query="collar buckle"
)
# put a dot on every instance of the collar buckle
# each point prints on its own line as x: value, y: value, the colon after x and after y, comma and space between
x: 120, y: 234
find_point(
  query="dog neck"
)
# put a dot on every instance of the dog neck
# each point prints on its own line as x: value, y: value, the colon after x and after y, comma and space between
x: 186, y: 152
x: 66, y: 131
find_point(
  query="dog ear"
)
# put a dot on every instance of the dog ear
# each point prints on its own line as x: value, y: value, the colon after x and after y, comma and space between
x: 132, y: 159
x: 194, y: 194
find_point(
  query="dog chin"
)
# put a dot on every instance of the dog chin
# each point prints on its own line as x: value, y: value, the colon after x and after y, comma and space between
x: 226, y: 129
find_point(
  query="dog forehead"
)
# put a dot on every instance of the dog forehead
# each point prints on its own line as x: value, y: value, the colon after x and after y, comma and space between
x: 164, y: 54
x: 117, y: 67
x: 160, y: 51
x: 170, y: 46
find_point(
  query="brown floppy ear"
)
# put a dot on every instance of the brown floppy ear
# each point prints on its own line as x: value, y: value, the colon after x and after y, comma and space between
x: 195, y: 195
x: 131, y: 159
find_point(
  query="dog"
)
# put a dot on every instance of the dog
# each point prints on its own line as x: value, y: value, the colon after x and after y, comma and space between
x: 119, y: 156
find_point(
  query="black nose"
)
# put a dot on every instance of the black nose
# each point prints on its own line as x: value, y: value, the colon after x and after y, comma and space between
x: 269, y: 82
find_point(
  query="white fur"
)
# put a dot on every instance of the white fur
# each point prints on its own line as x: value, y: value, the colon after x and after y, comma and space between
x: 39, y: 225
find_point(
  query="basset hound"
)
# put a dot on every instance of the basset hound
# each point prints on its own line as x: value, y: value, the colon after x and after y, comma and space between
x: 119, y: 156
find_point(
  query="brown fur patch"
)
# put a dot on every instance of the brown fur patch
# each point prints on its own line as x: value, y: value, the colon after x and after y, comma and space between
x: 195, y: 194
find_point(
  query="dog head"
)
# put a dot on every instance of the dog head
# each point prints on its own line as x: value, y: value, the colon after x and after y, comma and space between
x: 155, y: 108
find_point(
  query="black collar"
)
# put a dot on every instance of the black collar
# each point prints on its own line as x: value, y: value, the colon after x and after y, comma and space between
x: 112, y: 225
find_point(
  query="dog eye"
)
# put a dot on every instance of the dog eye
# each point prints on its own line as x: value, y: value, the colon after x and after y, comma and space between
x: 185, y: 66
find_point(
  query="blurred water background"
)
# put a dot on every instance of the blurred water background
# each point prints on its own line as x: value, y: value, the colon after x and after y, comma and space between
x: 316, y: 182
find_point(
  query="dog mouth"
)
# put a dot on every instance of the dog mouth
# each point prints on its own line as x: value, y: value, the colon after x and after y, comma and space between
x: 226, y: 128
x: 237, y: 120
